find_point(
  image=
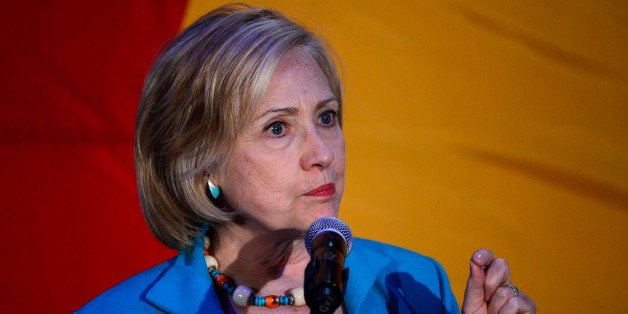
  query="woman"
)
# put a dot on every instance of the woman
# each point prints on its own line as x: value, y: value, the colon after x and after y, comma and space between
x: 239, y: 148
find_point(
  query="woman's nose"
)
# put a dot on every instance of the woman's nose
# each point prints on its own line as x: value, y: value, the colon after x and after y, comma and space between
x: 317, y: 151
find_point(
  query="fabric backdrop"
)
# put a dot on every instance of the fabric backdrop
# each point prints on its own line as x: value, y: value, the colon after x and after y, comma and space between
x: 469, y: 124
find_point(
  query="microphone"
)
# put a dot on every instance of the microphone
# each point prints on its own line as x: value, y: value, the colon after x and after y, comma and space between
x: 328, y: 240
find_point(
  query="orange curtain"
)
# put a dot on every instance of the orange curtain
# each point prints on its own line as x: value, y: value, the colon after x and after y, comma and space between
x: 499, y: 124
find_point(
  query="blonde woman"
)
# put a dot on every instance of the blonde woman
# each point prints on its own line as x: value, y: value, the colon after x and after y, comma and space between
x: 239, y: 148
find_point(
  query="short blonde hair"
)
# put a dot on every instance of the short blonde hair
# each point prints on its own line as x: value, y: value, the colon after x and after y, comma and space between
x: 198, y: 94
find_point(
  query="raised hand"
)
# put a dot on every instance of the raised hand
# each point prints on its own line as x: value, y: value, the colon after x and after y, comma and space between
x: 489, y: 289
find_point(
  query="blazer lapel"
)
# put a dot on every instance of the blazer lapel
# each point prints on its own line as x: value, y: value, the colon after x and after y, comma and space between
x: 186, y: 287
x: 362, y: 261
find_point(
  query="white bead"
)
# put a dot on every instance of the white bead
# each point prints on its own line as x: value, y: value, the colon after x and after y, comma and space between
x: 206, y: 242
x: 241, y: 295
x: 211, y: 262
x: 298, y: 295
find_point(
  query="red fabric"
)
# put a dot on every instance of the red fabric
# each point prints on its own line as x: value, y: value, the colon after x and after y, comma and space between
x: 71, y: 76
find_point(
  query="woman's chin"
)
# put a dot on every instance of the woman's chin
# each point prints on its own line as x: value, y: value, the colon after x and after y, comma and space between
x: 324, y: 211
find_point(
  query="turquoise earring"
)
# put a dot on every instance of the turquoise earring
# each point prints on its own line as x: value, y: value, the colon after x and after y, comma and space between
x: 214, y: 191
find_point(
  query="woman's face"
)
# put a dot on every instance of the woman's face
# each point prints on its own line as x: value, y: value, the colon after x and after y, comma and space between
x: 288, y: 165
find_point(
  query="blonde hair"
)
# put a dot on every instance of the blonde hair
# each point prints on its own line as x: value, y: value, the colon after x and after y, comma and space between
x: 198, y: 94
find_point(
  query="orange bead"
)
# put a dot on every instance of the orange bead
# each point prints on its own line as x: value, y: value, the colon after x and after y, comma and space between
x: 222, y: 279
x: 272, y: 301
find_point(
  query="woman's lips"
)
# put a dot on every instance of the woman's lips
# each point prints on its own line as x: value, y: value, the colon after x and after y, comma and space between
x: 323, y: 190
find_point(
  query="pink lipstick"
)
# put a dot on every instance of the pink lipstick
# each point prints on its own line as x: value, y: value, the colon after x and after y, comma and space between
x: 323, y: 190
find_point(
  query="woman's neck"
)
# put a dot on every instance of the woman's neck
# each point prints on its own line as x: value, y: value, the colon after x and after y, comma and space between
x: 268, y: 261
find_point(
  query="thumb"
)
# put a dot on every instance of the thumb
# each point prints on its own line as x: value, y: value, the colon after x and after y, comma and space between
x: 475, y: 283
x: 474, y: 294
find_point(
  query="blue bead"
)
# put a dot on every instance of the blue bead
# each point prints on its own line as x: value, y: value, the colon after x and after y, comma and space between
x: 229, y: 288
x: 214, y: 273
x: 284, y: 300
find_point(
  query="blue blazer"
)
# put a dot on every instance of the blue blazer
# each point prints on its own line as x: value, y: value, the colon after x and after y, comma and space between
x: 382, y: 279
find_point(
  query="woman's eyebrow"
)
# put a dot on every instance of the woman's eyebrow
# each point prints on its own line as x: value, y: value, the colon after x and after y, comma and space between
x: 284, y: 110
x: 324, y: 102
x: 294, y: 110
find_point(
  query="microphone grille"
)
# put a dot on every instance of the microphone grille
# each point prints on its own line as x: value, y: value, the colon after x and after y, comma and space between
x: 328, y: 224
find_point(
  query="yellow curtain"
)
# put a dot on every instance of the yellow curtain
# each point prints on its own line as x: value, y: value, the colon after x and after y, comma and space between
x: 498, y: 124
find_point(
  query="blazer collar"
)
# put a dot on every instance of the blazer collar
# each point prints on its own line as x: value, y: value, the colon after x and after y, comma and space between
x: 364, y: 265
x: 186, y: 286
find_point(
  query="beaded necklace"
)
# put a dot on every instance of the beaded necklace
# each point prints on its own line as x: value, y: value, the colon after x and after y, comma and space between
x: 243, y: 295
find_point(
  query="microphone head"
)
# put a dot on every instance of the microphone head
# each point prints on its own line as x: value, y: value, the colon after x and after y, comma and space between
x: 325, y: 224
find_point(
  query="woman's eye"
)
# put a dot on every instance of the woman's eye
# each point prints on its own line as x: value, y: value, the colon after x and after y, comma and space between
x: 328, y: 117
x: 276, y: 128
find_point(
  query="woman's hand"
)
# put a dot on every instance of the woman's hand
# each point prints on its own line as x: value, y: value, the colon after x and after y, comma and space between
x: 489, y: 289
